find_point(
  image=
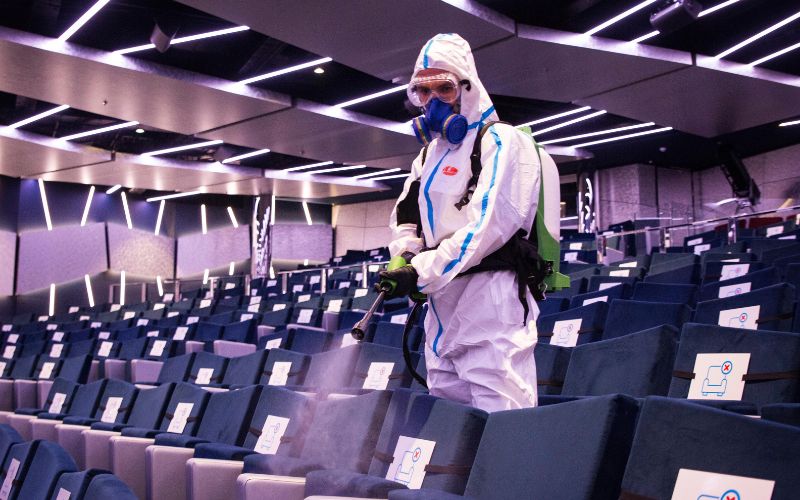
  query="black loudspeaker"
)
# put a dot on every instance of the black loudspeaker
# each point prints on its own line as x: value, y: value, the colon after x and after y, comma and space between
x: 163, y: 33
x: 736, y: 172
x: 675, y: 14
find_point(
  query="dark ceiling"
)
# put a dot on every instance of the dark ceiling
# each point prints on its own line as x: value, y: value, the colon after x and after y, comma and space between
x: 237, y: 56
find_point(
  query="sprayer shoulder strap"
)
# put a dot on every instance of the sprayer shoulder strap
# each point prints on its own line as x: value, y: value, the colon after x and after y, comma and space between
x: 475, y: 164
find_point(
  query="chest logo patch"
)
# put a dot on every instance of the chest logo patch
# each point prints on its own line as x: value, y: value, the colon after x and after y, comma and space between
x: 449, y: 170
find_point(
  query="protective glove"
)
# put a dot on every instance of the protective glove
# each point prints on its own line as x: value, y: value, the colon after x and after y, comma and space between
x: 404, y: 279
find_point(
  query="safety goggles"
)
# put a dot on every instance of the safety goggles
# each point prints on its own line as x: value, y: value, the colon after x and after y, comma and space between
x: 445, y: 86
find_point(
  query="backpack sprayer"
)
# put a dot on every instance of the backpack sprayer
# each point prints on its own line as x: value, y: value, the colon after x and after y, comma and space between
x: 386, y: 287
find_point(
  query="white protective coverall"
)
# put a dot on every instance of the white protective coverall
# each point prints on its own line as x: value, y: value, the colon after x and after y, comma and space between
x: 478, y: 352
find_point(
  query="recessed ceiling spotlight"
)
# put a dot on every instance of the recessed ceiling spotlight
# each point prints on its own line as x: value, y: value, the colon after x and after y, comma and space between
x: 319, y: 71
x: 140, y: 131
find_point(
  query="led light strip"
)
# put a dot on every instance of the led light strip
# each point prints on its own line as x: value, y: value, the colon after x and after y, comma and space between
x: 303, y: 167
x: 555, y: 117
x: 619, y: 17
x: 113, y: 189
x: 160, y: 286
x: 775, y: 54
x: 233, y: 218
x: 599, y: 132
x: 34, y: 118
x: 45, y: 206
x: 51, y: 310
x: 184, y: 39
x: 203, y: 218
x: 158, y: 218
x: 245, y: 155
x: 125, y: 207
x: 99, y: 131
x: 758, y: 35
x: 87, y: 207
x: 337, y: 169
x: 370, y: 96
x: 373, y: 174
x: 308, y: 214
x: 789, y: 124
x: 122, y: 288
x: 89, y: 293
x: 182, y: 148
x: 621, y: 137
x: 94, y: 9
x: 389, y: 177
x: 569, y: 122
x: 284, y: 71
x: 170, y: 196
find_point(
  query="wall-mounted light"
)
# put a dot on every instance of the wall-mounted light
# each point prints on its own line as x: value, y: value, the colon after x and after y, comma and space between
x: 159, y: 216
x: 160, y: 286
x: 52, y: 308
x: 88, y: 205
x: 122, y: 288
x: 125, y: 208
x: 89, y: 293
x: 203, y: 218
x: 205, y: 276
x: 308, y: 214
x: 45, y: 206
x: 231, y: 268
x: 233, y: 217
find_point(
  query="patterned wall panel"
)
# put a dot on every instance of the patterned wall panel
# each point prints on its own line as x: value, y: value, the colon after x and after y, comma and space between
x: 301, y: 241
x: 63, y: 254
x: 8, y: 249
x: 140, y: 252
x: 218, y: 248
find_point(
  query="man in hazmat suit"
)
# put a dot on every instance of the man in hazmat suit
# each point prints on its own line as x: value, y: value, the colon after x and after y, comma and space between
x: 481, y: 321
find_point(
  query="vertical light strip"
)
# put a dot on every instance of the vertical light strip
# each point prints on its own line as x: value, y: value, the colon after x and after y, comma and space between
x: 205, y: 276
x: 231, y: 268
x: 89, y: 293
x: 233, y: 217
x: 158, y: 218
x: 203, y: 218
x: 305, y: 262
x: 271, y: 272
x: 94, y: 9
x: 45, y: 206
x: 160, y: 286
x: 308, y: 214
x: 88, y: 205
x: 272, y: 212
x: 125, y: 207
x: 122, y: 288
x: 52, y: 308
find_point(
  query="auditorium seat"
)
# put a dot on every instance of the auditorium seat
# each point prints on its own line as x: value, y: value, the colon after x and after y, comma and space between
x: 775, y: 309
x: 454, y: 429
x: 574, y: 450
x: 665, y: 292
x: 226, y: 421
x: 32, y: 469
x: 278, y: 426
x: 621, y: 291
x: 589, y: 320
x: 638, y: 364
x: 182, y: 416
x: 628, y: 316
x: 84, y: 404
x: 551, y: 367
x: 771, y: 374
x: 742, y: 284
x: 285, y: 367
x: 676, y: 437
x: 342, y: 435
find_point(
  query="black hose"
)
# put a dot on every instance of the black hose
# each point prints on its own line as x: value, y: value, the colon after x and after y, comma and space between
x: 410, y: 322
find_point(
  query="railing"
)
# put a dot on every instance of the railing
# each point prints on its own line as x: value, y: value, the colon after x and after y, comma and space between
x: 176, y: 285
x: 665, y: 233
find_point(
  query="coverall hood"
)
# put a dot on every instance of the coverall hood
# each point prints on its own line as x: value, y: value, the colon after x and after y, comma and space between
x: 452, y: 53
